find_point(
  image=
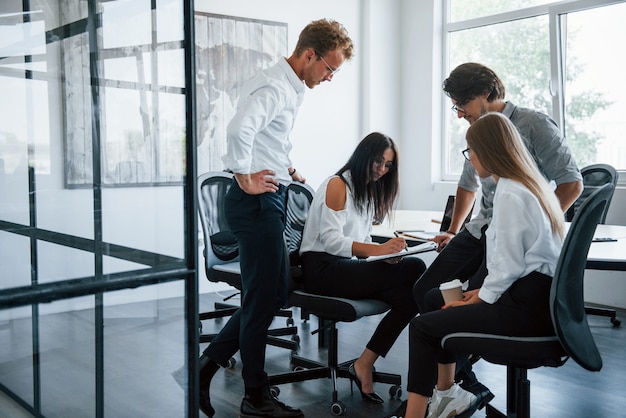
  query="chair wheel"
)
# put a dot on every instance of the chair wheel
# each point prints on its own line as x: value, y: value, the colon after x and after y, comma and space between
x: 338, y: 408
x: 274, y: 391
x: 231, y: 363
x: 296, y: 338
x: 616, y: 322
x: 395, y: 392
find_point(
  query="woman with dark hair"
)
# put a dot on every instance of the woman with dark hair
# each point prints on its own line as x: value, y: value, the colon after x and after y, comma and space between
x: 337, y: 238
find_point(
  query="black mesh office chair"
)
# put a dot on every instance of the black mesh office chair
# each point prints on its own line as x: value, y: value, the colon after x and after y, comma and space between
x: 329, y: 310
x: 595, y: 176
x: 572, y: 335
x: 221, y: 255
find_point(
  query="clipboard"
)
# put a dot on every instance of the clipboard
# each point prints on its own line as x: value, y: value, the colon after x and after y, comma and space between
x: 422, y: 248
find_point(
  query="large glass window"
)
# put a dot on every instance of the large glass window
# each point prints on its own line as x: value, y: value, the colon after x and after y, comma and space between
x: 593, y: 94
x: 560, y: 58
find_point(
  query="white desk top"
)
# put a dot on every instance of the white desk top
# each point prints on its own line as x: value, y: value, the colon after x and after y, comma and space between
x: 409, y: 220
x: 602, y: 255
x: 611, y: 254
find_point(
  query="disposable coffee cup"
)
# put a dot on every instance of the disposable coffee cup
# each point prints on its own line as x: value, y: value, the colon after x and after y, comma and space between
x: 451, y: 290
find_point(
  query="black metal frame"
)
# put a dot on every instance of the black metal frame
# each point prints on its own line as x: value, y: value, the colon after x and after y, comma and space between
x: 161, y: 269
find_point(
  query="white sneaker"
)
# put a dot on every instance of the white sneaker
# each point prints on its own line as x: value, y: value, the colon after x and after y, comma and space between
x: 450, y: 403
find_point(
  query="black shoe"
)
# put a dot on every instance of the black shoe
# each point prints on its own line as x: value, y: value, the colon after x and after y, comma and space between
x: 482, y: 393
x: 206, y: 374
x: 368, y: 397
x: 466, y: 378
x: 259, y: 402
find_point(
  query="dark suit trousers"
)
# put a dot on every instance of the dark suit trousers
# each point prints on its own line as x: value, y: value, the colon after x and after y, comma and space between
x: 258, y: 222
x: 523, y: 311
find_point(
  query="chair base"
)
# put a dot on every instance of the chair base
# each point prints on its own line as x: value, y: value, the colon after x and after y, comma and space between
x: 306, y: 369
x: 609, y: 313
x: 517, y: 396
x: 223, y: 310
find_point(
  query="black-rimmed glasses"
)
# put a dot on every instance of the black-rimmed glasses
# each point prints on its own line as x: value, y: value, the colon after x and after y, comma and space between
x: 460, y: 106
x: 466, y: 153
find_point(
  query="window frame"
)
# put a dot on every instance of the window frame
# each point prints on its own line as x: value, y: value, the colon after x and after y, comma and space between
x: 555, y: 11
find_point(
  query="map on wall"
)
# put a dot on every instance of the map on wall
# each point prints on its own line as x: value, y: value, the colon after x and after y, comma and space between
x: 229, y: 51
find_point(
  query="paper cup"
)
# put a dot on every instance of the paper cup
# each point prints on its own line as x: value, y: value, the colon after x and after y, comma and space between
x: 451, y: 290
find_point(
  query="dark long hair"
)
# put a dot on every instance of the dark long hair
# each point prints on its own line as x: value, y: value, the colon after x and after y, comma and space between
x: 380, y: 194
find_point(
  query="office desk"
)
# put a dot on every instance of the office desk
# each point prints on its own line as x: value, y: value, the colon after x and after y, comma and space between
x: 409, y: 220
x: 608, y: 255
x: 602, y: 255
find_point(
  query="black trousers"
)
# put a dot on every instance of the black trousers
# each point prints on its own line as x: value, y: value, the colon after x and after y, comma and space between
x: 523, y: 310
x: 258, y: 223
x: 462, y: 258
x: 330, y: 275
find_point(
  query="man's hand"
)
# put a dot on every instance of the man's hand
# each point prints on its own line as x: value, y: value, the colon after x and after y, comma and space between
x: 442, y: 240
x: 298, y: 177
x: 257, y: 183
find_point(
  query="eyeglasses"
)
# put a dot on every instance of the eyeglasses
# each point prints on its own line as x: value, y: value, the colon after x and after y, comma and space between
x: 466, y: 153
x: 460, y: 106
x: 381, y: 162
x: 328, y: 67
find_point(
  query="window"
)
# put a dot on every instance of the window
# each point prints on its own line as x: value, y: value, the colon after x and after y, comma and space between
x: 559, y: 58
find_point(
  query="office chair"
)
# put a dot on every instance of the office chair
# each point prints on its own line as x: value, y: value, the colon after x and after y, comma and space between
x: 221, y: 255
x: 329, y: 310
x: 595, y: 176
x: 572, y: 335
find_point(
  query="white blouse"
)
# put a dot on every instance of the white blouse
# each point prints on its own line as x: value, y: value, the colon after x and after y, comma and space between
x: 331, y: 231
x: 519, y: 240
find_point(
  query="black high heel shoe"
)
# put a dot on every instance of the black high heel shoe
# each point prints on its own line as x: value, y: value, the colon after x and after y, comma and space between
x: 368, y: 397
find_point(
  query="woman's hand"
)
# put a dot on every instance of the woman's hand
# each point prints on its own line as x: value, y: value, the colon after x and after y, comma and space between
x: 394, y: 245
x: 469, y: 298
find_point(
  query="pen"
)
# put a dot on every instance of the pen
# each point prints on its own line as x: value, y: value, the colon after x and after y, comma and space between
x: 414, y: 237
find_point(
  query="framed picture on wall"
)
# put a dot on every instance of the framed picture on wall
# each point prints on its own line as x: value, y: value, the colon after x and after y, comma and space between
x: 229, y: 51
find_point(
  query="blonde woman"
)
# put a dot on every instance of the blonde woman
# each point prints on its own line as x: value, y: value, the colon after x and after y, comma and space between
x: 524, y: 241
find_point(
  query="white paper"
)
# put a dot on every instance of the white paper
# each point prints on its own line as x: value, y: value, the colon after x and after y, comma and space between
x: 427, y: 246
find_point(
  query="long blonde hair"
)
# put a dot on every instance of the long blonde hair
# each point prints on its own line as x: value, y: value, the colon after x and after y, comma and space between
x: 501, y: 151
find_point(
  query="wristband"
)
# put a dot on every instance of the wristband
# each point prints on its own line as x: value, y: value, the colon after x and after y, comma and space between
x: 291, y: 173
x: 450, y: 232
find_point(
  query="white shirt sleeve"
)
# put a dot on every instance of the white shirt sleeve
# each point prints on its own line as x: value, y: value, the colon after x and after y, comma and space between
x: 331, y: 232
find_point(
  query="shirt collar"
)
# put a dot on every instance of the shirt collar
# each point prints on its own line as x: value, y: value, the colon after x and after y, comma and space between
x: 293, y: 78
x: 508, y: 109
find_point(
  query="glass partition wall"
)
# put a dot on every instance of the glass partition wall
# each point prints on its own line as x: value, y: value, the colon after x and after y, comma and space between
x: 98, y: 289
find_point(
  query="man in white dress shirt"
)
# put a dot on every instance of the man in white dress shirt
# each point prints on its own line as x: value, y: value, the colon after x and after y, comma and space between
x: 258, y: 148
